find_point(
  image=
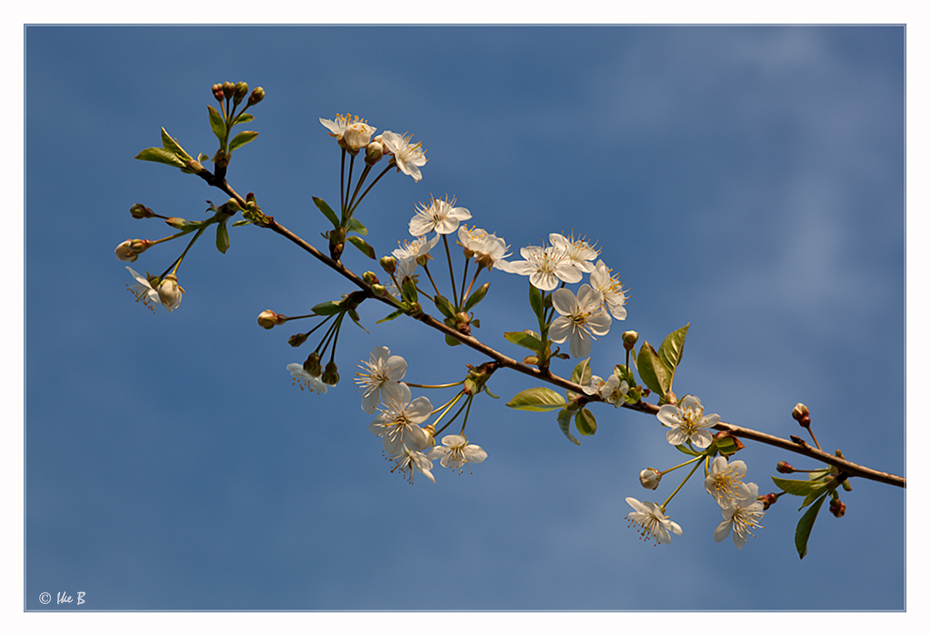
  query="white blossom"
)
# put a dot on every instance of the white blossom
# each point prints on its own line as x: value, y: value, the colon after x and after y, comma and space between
x: 578, y: 252
x: 545, y: 266
x: 440, y: 216
x: 410, y: 250
x: 456, y: 452
x: 143, y: 290
x: 170, y: 293
x: 687, y: 422
x: 489, y: 250
x: 653, y: 522
x: 304, y: 379
x: 398, y: 424
x: 380, y: 378
x: 608, y: 285
x: 582, y: 317
x: 408, y: 462
x: 724, y: 481
x: 741, y: 515
x: 407, y: 156
x: 355, y: 133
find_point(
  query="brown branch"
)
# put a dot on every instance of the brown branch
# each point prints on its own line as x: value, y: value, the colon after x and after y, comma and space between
x: 796, y: 445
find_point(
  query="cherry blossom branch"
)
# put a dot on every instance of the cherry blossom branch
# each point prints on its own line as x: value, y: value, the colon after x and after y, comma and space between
x: 794, y: 445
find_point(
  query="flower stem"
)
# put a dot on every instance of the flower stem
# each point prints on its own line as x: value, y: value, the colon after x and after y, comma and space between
x: 696, y: 464
x: 455, y: 295
x: 434, y: 386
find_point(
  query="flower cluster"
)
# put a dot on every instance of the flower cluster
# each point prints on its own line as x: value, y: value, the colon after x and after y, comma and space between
x: 354, y: 134
x: 612, y: 390
x: 739, y: 501
x: 407, y: 443
x: 588, y: 314
x: 166, y: 293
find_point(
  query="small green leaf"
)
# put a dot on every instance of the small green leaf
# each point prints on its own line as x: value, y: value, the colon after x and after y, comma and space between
x: 452, y: 342
x: 242, y: 139
x: 217, y: 124
x: 222, y: 237
x: 537, y: 399
x: 671, y: 349
x: 797, y: 487
x: 242, y: 222
x: 364, y: 247
x: 585, y: 422
x: 816, y: 492
x: 444, y: 306
x: 327, y: 211
x: 582, y: 373
x: 408, y: 288
x: 244, y: 118
x: 354, y: 225
x: 354, y: 316
x: 160, y: 155
x: 652, y: 370
x: 328, y: 308
x: 536, y: 303
x: 805, y: 525
x: 391, y: 316
x: 477, y: 296
x: 565, y: 421
x: 526, y: 339
x: 171, y: 145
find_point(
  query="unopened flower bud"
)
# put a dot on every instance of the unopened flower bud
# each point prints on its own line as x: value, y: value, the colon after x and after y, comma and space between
x: 801, y: 414
x: 217, y: 90
x: 312, y: 364
x: 242, y: 89
x: 257, y: 95
x: 650, y: 478
x: 124, y: 252
x: 330, y: 374
x: 370, y: 278
x: 837, y: 508
x: 379, y: 290
x: 229, y: 89
x: 784, y: 467
x: 388, y: 264
x: 629, y: 339
x: 170, y: 293
x: 768, y: 500
x: 373, y: 153
x: 268, y: 319
x: 139, y: 211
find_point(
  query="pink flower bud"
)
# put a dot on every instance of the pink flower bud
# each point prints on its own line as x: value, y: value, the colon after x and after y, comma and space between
x: 784, y: 467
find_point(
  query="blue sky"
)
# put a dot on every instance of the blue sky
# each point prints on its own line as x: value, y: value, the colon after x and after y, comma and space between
x: 748, y: 180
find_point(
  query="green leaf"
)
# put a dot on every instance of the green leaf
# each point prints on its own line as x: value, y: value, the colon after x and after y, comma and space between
x: 536, y: 303
x: 391, y: 316
x: 327, y: 211
x: 816, y: 492
x: 160, y: 155
x: 805, y: 525
x: 585, y: 422
x: 582, y: 373
x: 671, y: 349
x: 222, y: 237
x: 328, y: 308
x: 217, y: 124
x: 476, y: 297
x: 797, y: 487
x: 565, y: 421
x: 171, y: 145
x: 526, y: 339
x: 537, y: 399
x: 652, y: 370
x: 242, y: 139
x: 687, y: 451
x: 444, y: 306
x: 364, y: 247
x: 408, y: 289
x: 354, y: 225
x: 354, y: 316
x: 242, y: 222
x: 452, y: 342
x: 244, y: 118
